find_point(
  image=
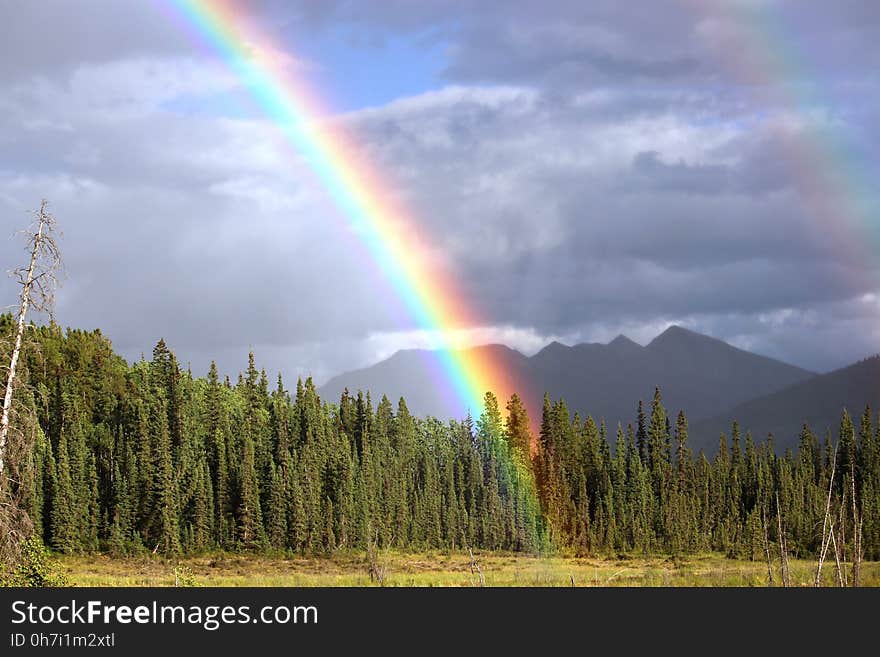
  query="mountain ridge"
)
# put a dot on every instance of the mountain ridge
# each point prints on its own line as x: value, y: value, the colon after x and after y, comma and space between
x: 818, y: 402
x: 701, y: 374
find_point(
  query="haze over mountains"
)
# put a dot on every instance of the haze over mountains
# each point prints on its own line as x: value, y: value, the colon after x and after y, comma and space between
x: 711, y: 380
x: 817, y: 401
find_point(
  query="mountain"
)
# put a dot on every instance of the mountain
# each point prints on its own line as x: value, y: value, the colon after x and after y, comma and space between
x: 817, y: 401
x: 416, y: 375
x: 695, y: 372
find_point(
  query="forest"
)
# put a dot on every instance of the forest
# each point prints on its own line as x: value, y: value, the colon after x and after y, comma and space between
x: 148, y: 457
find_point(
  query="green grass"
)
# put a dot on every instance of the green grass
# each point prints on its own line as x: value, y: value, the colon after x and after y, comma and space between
x: 440, y: 569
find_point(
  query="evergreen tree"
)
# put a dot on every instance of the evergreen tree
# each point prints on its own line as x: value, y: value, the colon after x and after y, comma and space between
x: 164, y: 529
x: 146, y: 456
x: 517, y: 427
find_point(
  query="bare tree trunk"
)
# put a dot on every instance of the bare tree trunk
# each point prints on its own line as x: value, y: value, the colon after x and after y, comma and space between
x: 825, y: 540
x: 475, y: 568
x: 857, y: 532
x: 767, y: 547
x: 843, y: 539
x: 836, y: 557
x: 783, y: 553
x: 377, y: 572
x: 17, y: 425
x: 19, y: 333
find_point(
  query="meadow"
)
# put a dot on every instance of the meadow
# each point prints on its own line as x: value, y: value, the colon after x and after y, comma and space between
x: 439, y: 569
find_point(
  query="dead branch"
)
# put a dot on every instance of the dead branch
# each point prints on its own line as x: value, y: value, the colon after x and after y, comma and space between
x: 825, y: 541
x: 836, y: 557
x: 842, y: 526
x: 783, y: 551
x: 767, y: 547
x: 475, y: 568
x: 38, y: 283
x: 377, y: 571
x: 619, y: 572
x: 857, y: 532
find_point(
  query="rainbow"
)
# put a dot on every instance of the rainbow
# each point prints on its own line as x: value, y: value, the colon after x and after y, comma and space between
x: 430, y: 295
x: 841, y: 199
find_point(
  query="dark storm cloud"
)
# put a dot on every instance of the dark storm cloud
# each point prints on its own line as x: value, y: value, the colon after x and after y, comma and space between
x: 680, y: 176
x: 588, y: 168
x: 524, y: 42
x: 656, y: 216
x: 556, y: 54
x: 497, y: 40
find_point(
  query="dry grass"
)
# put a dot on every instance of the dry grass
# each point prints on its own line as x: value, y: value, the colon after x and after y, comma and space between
x: 439, y: 569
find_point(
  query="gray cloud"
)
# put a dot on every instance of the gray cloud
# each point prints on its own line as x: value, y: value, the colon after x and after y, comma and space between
x: 51, y: 38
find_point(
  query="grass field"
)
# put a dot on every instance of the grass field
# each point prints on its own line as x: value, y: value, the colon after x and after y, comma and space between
x: 439, y: 569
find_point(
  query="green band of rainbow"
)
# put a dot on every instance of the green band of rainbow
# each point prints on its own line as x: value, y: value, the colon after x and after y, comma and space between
x: 389, y: 234
x: 841, y: 193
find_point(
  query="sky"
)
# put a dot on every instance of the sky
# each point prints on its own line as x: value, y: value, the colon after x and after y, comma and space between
x: 584, y: 169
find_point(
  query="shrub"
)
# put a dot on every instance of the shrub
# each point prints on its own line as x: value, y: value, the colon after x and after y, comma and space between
x: 183, y: 576
x: 36, y: 567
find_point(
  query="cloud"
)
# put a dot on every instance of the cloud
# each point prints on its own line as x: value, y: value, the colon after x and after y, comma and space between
x: 582, y: 170
x: 50, y: 38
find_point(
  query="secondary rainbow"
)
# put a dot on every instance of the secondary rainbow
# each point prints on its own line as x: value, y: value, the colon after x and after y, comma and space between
x: 762, y: 50
x: 430, y: 295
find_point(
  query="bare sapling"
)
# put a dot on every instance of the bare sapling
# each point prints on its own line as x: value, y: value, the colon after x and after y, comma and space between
x: 475, y: 568
x: 767, y: 547
x: 823, y: 550
x: 857, y: 532
x: 783, y: 550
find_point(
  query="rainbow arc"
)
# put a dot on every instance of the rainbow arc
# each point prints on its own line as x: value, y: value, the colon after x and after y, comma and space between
x: 389, y: 233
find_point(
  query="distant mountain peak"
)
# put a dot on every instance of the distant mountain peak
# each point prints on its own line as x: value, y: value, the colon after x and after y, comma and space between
x: 677, y: 329
x: 679, y: 335
x: 623, y: 342
x: 426, y: 351
x: 698, y: 373
x: 554, y: 347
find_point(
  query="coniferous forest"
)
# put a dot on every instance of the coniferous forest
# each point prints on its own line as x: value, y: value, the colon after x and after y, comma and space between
x: 151, y: 457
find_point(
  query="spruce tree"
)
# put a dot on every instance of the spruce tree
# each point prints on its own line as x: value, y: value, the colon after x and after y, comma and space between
x: 517, y: 426
x: 641, y: 433
x: 164, y: 528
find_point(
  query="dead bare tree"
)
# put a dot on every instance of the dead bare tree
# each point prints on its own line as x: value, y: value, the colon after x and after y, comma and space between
x: 38, y: 282
x: 783, y: 548
x: 823, y: 551
x: 377, y: 571
x: 767, y: 546
x: 837, y: 558
x: 837, y: 534
x: 857, y: 532
x: 842, y: 524
x: 18, y: 423
x: 475, y: 568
